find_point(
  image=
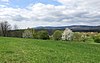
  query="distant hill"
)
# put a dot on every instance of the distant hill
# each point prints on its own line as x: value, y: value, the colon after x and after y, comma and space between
x: 75, y: 28
x: 51, y: 29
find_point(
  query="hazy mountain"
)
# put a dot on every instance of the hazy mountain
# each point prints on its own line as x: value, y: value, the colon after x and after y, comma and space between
x: 80, y: 28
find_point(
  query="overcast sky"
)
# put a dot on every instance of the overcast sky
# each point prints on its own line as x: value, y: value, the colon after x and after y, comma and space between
x: 32, y: 13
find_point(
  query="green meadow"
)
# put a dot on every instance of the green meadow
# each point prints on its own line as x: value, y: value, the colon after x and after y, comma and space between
x: 20, y: 50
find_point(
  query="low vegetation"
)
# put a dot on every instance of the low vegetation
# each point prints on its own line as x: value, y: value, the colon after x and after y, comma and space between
x: 20, y: 50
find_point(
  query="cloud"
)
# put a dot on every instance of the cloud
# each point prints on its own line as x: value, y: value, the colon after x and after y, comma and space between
x: 4, y: 3
x: 19, y: 18
x: 2, y: 6
x: 83, y: 4
x: 71, y: 12
x: 4, y: 0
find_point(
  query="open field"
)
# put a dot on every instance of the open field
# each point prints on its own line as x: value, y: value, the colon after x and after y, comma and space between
x: 19, y: 50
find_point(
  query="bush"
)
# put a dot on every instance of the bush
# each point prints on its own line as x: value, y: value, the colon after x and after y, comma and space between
x: 34, y: 34
x: 67, y: 34
x: 80, y: 37
x: 97, y: 38
x: 77, y: 36
x: 57, y: 35
x: 43, y: 35
x: 27, y: 34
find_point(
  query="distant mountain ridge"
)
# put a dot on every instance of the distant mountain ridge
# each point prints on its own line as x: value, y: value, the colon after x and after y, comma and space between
x: 76, y: 28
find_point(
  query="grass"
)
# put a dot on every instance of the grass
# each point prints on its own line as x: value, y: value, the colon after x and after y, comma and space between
x: 19, y: 50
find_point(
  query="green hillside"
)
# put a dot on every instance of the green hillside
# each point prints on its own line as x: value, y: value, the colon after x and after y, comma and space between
x: 19, y: 50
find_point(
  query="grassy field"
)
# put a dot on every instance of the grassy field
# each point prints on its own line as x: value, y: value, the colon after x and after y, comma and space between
x: 18, y: 50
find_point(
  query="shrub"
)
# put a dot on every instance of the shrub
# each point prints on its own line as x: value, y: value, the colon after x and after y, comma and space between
x: 97, y: 38
x: 77, y: 36
x: 84, y: 37
x: 57, y: 35
x: 34, y: 34
x: 27, y: 34
x: 43, y: 35
x: 67, y: 34
x: 80, y: 37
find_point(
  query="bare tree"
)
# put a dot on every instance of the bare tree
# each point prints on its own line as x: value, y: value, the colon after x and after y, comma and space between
x: 15, y: 27
x: 4, y: 27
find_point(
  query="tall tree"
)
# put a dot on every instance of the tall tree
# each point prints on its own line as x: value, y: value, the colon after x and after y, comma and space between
x: 57, y: 35
x: 43, y: 35
x: 15, y: 27
x: 4, y: 27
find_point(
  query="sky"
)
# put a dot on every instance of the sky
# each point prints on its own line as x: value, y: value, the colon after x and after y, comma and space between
x: 33, y: 13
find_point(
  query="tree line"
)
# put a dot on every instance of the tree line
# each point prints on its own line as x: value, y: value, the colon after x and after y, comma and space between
x: 6, y: 31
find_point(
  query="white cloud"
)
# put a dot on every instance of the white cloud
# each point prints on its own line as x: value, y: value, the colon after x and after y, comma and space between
x: 4, y: 0
x: 4, y: 3
x: 83, y: 4
x: 75, y: 12
x: 2, y: 6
